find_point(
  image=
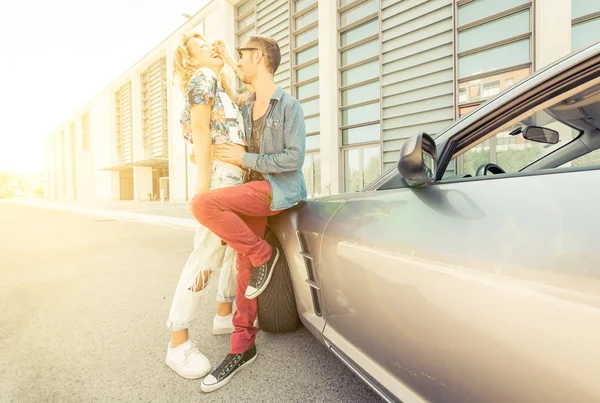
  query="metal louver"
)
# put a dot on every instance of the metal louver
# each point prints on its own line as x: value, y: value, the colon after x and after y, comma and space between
x: 154, y: 110
x: 123, y: 124
x: 73, y: 160
x: 85, y: 129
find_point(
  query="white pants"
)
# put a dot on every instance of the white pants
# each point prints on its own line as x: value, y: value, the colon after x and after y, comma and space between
x: 209, y: 253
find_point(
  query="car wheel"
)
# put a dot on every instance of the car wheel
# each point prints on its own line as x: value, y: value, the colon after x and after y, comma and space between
x: 277, y: 312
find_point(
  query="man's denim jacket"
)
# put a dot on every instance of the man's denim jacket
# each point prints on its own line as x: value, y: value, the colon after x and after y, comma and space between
x: 282, y: 148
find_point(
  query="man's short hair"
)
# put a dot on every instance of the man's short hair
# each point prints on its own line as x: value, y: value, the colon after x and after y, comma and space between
x: 270, y: 49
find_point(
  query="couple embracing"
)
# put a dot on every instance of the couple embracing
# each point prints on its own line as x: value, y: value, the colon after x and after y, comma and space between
x: 249, y: 152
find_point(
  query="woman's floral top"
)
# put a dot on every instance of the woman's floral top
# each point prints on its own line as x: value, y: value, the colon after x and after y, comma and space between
x: 226, y: 122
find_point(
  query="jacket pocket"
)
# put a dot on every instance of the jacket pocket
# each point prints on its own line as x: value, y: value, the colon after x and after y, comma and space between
x: 274, y: 141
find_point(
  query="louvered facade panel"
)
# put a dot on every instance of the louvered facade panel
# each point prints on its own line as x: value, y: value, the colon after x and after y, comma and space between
x: 273, y: 20
x: 124, y: 141
x: 154, y: 110
x: 417, y: 71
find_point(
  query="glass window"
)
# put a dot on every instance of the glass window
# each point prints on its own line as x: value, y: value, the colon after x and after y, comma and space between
x: 462, y: 95
x: 371, y: 165
x: 513, y: 153
x: 302, y: 4
x: 245, y: 7
x: 585, y: 34
x: 308, y: 54
x: 360, y: 73
x: 352, y: 174
x: 494, y: 31
x: 312, y: 174
x: 308, y: 173
x: 313, y: 142
x: 308, y: 36
x: 358, y: 12
x: 361, y: 52
x: 246, y: 21
x: 465, y: 110
x: 345, y: 2
x: 479, y: 9
x: 308, y: 72
x: 588, y: 160
x: 360, y: 32
x: 480, y: 89
x: 362, y: 114
x: 312, y: 124
x: 475, y: 92
x: 310, y: 107
x: 307, y: 90
x: 475, y: 157
x: 496, y: 58
x: 307, y: 18
x: 360, y: 94
x: 491, y: 89
x: 584, y: 7
x: 363, y: 134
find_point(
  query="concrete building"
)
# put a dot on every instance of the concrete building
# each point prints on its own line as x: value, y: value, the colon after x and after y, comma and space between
x: 368, y: 73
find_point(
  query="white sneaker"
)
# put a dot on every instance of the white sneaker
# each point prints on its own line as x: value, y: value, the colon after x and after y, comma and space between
x: 187, y: 361
x: 223, y: 324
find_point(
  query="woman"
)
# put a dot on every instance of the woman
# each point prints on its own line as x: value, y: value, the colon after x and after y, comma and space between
x: 208, y: 117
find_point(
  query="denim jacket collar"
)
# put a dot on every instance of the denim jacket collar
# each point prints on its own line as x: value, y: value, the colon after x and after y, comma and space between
x: 276, y: 96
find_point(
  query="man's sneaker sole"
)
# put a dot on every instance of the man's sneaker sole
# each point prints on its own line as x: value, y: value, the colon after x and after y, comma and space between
x: 187, y: 376
x: 219, y: 385
x: 266, y: 283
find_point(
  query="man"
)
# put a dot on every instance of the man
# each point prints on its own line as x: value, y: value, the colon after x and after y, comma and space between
x: 274, y: 124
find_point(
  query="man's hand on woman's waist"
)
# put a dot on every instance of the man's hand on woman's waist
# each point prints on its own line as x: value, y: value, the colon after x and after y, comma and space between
x: 230, y: 153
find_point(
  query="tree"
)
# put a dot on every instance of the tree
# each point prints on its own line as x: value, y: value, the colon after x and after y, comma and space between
x: 5, y: 180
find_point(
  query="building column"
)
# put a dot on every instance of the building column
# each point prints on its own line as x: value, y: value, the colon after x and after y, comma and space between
x: 328, y: 99
x: 552, y: 31
x: 142, y: 183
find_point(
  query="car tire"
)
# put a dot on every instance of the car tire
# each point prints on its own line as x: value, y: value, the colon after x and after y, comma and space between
x: 277, y: 312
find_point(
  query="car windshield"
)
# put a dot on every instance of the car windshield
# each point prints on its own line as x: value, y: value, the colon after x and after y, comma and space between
x: 510, y: 150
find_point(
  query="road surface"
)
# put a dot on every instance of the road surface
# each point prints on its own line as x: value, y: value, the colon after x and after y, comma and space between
x: 83, y: 304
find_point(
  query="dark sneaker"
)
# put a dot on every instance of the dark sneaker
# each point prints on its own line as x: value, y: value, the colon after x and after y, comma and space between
x: 261, y: 275
x: 225, y: 372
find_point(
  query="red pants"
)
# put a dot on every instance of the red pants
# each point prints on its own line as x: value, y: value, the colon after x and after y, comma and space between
x: 238, y: 215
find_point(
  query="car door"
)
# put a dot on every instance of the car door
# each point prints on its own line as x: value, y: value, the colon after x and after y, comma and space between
x: 473, y: 289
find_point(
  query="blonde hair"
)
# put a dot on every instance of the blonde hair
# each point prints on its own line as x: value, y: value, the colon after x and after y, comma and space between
x: 184, y: 67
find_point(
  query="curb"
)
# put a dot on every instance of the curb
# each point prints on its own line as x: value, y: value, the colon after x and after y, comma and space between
x: 167, y: 221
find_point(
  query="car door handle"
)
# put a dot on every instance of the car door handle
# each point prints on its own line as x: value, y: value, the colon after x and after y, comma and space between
x: 312, y: 284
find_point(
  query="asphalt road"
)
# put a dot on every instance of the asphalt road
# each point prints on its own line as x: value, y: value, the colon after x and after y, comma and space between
x: 83, y: 304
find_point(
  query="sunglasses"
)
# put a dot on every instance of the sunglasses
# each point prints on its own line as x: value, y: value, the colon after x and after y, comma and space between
x: 240, y: 50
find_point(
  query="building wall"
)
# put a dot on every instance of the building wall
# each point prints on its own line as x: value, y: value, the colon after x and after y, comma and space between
x: 418, y: 64
x: 368, y: 73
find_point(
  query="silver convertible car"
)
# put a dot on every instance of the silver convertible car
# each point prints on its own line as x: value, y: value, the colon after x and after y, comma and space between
x: 471, y: 271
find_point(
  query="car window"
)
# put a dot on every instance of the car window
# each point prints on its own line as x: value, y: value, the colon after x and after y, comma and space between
x: 588, y: 160
x: 509, y: 149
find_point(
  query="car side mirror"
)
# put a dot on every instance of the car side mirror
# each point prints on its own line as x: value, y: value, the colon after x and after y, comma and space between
x: 541, y: 134
x: 418, y: 160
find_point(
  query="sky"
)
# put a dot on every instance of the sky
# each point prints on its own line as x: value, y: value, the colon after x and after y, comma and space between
x: 57, y: 55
